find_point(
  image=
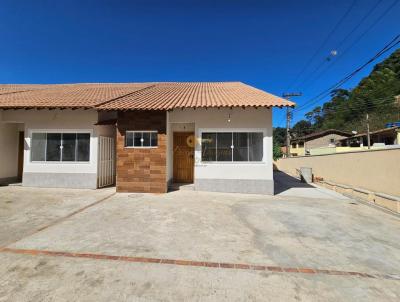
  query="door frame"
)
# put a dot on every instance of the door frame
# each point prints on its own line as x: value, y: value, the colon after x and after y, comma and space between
x: 173, y: 153
x: 21, y: 148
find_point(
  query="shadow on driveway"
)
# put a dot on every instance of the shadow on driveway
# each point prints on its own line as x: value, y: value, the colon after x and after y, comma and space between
x: 284, y: 182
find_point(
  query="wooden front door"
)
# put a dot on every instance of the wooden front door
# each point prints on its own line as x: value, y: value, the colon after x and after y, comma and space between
x: 183, y: 157
x: 21, y: 143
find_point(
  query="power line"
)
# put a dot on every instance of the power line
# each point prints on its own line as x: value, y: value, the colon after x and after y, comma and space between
x: 377, y: 103
x: 327, y: 91
x: 371, y: 26
x: 344, y: 52
x: 372, y: 108
x: 360, y: 22
x: 322, y: 44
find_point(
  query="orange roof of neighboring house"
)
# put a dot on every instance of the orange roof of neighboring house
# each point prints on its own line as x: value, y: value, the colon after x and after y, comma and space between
x: 138, y: 96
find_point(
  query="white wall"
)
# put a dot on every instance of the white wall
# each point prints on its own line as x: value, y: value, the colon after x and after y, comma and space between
x: 8, y: 149
x: 54, y: 121
x: 250, y: 119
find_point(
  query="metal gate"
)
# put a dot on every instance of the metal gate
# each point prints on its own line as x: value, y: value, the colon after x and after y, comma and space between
x: 106, y: 162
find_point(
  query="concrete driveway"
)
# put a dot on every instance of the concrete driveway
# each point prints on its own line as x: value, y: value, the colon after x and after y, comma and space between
x: 197, y: 246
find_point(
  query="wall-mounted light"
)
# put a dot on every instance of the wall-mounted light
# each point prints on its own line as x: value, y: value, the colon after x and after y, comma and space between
x: 229, y: 118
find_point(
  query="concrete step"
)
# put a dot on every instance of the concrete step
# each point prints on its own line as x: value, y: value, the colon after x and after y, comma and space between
x: 181, y: 186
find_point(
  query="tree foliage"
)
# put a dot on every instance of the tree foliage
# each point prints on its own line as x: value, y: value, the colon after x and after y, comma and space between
x: 277, y: 152
x: 279, y: 136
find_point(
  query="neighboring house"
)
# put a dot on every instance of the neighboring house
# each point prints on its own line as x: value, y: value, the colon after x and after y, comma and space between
x: 139, y: 136
x: 324, y: 139
x: 378, y: 138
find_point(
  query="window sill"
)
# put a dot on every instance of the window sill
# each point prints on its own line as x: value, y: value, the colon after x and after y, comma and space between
x: 141, y: 147
x: 61, y: 162
x: 204, y: 163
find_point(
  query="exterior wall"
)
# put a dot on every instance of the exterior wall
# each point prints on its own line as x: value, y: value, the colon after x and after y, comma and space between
x: 58, y: 174
x: 333, y: 149
x: 323, y: 141
x: 320, y: 145
x: 8, y: 151
x: 142, y: 169
x: 375, y: 170
x: 228, y: 177
x: 298, y: 151
x: 320, y: 142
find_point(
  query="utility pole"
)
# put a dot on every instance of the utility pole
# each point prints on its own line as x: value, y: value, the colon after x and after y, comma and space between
x: 287, y: 132
x: 368, y: 135
x: 287, y: 96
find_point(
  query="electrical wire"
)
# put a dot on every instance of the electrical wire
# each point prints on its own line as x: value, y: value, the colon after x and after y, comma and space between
x: 322, y: 45
x: 327, y: 91
x: 344, y: 52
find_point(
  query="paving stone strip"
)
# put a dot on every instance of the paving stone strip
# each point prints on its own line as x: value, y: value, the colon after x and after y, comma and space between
x: 274, y: 269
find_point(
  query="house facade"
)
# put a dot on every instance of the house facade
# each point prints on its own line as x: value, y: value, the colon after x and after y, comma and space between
x: 317, y: 143
x: 379, y: 138
x: 140, y: 137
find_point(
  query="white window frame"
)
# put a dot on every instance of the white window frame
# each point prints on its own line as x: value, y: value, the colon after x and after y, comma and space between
x: 233, y: 130
x: 60, y: 162
x: 140, y: 131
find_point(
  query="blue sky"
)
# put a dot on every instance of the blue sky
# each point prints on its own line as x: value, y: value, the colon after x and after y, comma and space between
x: 263, y: 43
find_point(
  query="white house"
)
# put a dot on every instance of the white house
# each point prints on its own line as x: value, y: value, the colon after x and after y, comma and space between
x: 139, y: 136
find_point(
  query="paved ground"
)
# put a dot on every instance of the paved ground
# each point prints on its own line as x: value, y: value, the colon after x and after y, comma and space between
x: 290, y: 248
x: 23, y: 210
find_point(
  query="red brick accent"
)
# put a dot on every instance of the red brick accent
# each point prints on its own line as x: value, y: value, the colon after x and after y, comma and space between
x: 142, y: 169
x: 214, y: 265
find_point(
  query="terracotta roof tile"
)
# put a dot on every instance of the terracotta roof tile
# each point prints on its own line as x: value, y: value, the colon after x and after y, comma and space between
x: 13, y: 88
x: 166, y: 96
x: 137, y: 96
x: 67, y: 96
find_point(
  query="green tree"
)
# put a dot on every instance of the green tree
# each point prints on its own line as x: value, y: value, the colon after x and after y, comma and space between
x: 277, y: 152
x: 279, y: 136
x: 301, y: 128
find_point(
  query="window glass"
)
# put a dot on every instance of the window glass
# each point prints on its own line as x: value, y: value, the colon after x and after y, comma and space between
x: 154, y: 139
x: 60, y: 147
x: 146, y: 139
x: 83, y: 147
x: 240, y: 147
x: 255, y: 146
x: 141, y: 139
x: 224, y: 143
x: 69, y: 145
x: 137, y: 139
x: 246, y: 146
x: 53, y: 150
x: 208, y: 146
x: 38, y: 147
x: 128, y: 139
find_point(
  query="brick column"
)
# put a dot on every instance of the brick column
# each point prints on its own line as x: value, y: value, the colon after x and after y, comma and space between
x: 141, y: 169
